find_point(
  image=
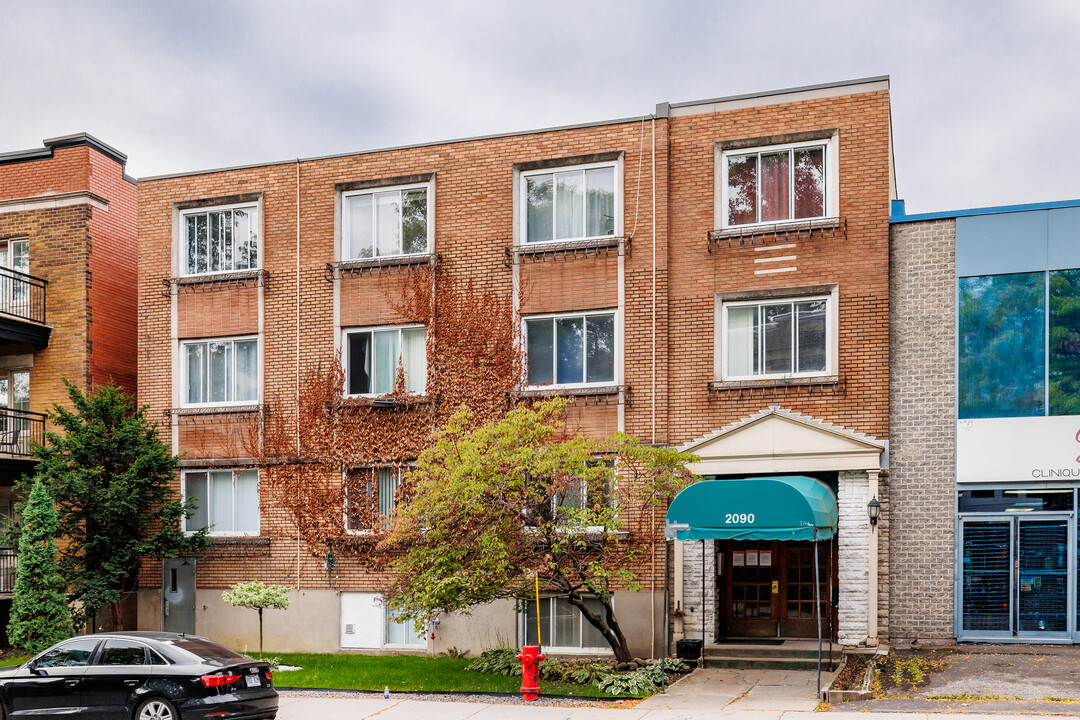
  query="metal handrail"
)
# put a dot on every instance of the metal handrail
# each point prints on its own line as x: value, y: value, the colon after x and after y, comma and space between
x: 22, y: 295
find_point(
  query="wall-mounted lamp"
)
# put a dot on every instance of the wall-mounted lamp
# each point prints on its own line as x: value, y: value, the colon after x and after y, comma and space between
x: 873, y: 509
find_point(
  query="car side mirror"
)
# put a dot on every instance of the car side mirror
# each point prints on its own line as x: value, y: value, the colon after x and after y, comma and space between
x: 32, y: 666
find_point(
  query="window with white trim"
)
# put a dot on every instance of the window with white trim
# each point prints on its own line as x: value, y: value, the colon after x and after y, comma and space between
x: 372, y: 357
x: 220, y: 239
x: 385, y: 222
x: 775, y: 184
x: 562, y: 626
x: 221, y: 371
x: 402, y: 633
x: 226, y: 501
x: 370, y: 498
x: 572, y: 203
x: 14, y: 291
x: 570, y: 350
x: 783, y: 338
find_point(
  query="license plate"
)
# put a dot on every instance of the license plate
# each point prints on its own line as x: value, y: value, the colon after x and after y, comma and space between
x: 253, y: 681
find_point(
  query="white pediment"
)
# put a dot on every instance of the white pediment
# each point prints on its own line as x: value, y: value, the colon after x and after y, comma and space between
x: 780, y: 441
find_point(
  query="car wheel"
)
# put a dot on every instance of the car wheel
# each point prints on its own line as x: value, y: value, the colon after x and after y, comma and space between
x: 156, y: 709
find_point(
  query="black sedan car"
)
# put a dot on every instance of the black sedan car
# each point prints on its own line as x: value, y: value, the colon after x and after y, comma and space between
x: 138, y: 676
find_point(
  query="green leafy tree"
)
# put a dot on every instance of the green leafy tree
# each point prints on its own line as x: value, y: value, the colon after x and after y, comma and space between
x: 257, y: 596
x: 488, y: 511
x: 110, y: 476
x: 39, y: 610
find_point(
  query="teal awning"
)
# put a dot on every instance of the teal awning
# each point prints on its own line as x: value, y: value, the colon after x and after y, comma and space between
x: 765, y: 508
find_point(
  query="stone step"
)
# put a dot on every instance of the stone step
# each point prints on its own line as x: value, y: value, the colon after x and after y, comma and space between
x: 787, y: 650
x: 772, y: 663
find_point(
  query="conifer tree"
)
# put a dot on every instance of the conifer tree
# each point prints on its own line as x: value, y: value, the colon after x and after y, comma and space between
x: 39, y: 611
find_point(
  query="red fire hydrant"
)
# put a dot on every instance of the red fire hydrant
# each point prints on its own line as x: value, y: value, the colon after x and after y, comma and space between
x: 530, y: 658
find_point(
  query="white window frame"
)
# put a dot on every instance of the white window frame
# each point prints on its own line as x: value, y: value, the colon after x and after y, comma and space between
x: 400, y: 646
x: 831, y: 200
x: 183, y: 376
x: 523, y: 197
x: 373, y: 470
x: 346, y: 220
x: 254, y: 207
x: 523, y: 618
x: 222, y: 533
x: 346, y: 332
x: 831, y: 335
x: 617, y: 370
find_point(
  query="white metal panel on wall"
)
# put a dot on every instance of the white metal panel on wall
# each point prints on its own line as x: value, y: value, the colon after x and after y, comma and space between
x: 1030, y: 449
x: 362, y: 620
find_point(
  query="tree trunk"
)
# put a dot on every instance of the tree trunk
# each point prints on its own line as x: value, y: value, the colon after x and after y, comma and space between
x: 608, y: 626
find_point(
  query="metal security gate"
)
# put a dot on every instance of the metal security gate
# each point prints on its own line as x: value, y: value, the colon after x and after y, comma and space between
x: 1016, y: 579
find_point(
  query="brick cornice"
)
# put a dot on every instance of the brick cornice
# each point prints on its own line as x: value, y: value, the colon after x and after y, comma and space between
x: 54, y: 200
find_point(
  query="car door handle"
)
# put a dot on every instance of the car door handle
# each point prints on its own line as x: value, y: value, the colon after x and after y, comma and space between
x: 131, y: 683
x: 72, y: 682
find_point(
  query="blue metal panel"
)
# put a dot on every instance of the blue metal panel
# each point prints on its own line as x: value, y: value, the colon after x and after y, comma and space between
x: 1064, y: 232
x: 897, y: 213
x: 1001, y: 244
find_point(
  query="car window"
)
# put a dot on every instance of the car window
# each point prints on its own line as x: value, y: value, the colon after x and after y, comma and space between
x: 156, y: 659
x: 122, y: 652
x: 197, y: 649
x: 75, y: 653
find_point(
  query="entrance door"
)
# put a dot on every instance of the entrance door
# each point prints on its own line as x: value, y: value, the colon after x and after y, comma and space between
x: 178, y: 595
x: 1015, y: 580
x: 767, y: 588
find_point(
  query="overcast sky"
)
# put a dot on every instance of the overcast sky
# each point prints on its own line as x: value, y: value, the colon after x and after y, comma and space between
x: 985, y: 100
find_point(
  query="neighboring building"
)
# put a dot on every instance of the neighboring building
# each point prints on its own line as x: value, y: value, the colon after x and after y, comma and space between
x: 711, y: 276
x: 985, y: 335
x: 67, y: 292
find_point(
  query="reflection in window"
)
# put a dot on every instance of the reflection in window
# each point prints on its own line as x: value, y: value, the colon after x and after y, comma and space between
x: 1064, y: 360
x: 570, y: 205
x: 571, y: 350
x: 1001, y: 346
x: 775, y: 186
x: 563, y: 625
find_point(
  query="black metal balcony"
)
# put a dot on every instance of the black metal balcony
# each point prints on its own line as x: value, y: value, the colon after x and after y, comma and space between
x: 22, y: 308
x: 9, y: 561
x: 18, y: 429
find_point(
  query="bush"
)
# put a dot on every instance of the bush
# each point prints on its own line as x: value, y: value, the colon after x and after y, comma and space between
x: 497, y: 661
x: 642, y: 681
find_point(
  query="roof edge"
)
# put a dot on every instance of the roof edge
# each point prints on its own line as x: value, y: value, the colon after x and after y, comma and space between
x: 784, y: 91
x: 898, y: 215
x: 83, y: 138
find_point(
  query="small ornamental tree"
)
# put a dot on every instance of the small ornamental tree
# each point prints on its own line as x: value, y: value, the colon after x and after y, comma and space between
x: 39, y: 611
x: 110, y: 476
x: 257, y: 596
x: 494, y: 508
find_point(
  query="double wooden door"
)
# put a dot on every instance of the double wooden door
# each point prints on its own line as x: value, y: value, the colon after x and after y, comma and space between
x: 767, y: 588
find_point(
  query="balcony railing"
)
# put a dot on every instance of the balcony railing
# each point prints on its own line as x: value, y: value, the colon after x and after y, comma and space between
x: 18, y: 428
x: 9, y: 561
x: 22, y: 295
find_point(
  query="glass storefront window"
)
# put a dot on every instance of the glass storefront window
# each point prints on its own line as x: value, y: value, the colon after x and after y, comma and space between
x: 1015, y: 500
x: 1064, y: 323
x: 1001, y: 346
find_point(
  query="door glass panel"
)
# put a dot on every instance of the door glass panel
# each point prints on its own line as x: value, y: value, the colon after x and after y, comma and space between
x: 72, y: 654
x: 1044, y: 576
x: 751, y: 583
x: 986, y: 558
x: 800, y: 579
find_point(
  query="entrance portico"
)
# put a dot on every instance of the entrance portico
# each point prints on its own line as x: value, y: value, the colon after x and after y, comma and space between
x: 776, y: 442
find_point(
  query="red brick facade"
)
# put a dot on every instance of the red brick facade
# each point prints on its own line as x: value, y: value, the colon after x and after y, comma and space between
x: 670, y: 279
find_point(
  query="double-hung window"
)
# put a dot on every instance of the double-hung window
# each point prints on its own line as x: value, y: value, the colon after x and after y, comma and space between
x: 220, y: 239
x: 571, y: 350
x: 386, y: 222
x: 569, y: 203
x: 775, y: 184
x: 763, y: 339
x: 370, y: 498
x: 372, y: 357
x: 221, y: 371
x: 226, y: 501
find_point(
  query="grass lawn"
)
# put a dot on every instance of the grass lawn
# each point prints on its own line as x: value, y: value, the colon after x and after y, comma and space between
x: 403, y: 673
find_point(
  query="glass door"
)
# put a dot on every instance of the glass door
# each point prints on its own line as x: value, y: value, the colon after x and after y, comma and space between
x: 986, y: 584
x: 1043, y: 577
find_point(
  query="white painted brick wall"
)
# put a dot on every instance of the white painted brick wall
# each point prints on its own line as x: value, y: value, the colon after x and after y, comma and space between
x: 693, y: 610
x: 853, y: 540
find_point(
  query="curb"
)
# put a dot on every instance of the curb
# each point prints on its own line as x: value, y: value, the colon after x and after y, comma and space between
x: 463, y: 693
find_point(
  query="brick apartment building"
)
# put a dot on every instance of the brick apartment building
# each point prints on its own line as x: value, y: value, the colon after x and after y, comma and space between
x: 713, y: 275
x: 68, y: 226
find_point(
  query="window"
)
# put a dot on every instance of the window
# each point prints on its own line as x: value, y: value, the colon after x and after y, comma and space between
x: 76, y: 653
x: 226, y: 501
x: 220, y: 239
x: 372, y: 358
x: 1019, y: 345
x: 14, y: 291
x: 763, y: 339
x: 569, y: 204
x: 385, y: 222
x: 776, y: 184
x: 402, y: 632
x: 122, y: 652
x: 221, y: 371
x: 370, y: 497
x: 562, y: 625
x: 571, y: 349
